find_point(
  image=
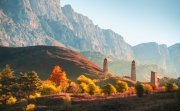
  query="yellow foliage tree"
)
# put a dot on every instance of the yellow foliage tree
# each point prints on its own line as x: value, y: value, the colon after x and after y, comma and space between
x: 148, y: 88
x: 88, y: 85
x: 49, y: 87
x: 109, y: 89
x: 58, y: 76
x: 122, y: 86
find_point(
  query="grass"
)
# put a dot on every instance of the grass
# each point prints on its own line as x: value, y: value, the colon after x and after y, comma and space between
x: 155, y: 102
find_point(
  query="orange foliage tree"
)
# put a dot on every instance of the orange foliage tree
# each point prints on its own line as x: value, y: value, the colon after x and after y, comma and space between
x: 58, y: 76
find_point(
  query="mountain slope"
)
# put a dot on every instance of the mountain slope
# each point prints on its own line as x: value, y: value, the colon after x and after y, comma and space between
x: 175, y: 58
x: 160, y: 55
x: 43, y: 58
x: 44, y: 22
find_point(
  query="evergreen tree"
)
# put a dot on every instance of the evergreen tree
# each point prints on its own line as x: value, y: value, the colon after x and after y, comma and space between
x: 29, y: 82
x: 139, y: 89
x: 6, y: 82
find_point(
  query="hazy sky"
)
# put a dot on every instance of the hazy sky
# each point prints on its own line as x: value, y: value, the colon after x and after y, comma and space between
x: 138, y: 21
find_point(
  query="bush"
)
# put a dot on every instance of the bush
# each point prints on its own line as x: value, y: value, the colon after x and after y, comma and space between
x: 147, y: 89
x: 171, y: 87
x: 87, y: 85
x: 93, y: 89
x: 11, y: 100
x: 131, y: 90
x: 139, y: 89
x: 74, y: 88
x: 49, y: 88
x: 36, y: 95
x: 109, y: 89
x: 122, y: 86
x: 30, y: 107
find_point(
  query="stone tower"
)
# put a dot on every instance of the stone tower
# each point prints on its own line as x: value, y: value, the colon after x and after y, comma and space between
x: 133, y: 70
x: 105, y: 66
x: 154, y: 79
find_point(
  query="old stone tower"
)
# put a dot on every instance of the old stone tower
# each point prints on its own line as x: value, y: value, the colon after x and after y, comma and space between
x: 133, y: 70
x: 154, y: 79
x: 105, y: 66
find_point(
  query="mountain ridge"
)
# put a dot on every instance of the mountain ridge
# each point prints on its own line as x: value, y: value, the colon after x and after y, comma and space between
x: 45, y: 22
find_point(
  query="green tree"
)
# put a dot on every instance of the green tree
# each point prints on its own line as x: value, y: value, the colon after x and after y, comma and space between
x: 171, y: 87
x: 139, y: 89
x: 122, y: 86
x: 29, y: 83
x: 109, y: 89
x: 6, y: 82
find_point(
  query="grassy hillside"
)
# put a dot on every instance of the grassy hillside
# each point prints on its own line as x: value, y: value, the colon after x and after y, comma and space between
x: 42, y: 59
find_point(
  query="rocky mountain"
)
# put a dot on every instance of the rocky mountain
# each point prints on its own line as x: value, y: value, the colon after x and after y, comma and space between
x: 152, y: 53
x: 42, y: 59
x: 123, y: 67
x: 164, y: 57
x: 44, y: 22
x: 174, y: 52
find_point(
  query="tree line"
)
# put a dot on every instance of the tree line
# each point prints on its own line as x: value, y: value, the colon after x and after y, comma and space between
x: 28, y: 85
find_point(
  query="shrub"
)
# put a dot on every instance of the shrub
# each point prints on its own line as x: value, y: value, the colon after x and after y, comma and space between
x: 109, y: 89
x: 139, y: 89
x: 87, y: 85
x: 171, y: 87
x: 121, y: 86
x: 147, y: 89
x: 11, y: 100
x: 36, y: 95
x: 49, y: 88
x: 74, y: 88
x: 93, y: 89
x: 132, y: 90
x: 30, y: 107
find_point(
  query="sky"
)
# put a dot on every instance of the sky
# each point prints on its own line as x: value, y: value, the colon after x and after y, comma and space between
x: 138, y: 21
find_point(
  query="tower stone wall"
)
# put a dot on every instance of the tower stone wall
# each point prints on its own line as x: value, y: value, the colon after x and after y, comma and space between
x: 154, y: 79
x: 133, y: 70
x: 105, y: 66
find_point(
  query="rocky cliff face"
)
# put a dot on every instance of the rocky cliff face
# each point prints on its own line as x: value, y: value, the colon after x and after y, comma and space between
x: 44, y: 22
x: 174, y: 52
x: 161, y: 55
x: 25, y: 23
x: 152, y: 53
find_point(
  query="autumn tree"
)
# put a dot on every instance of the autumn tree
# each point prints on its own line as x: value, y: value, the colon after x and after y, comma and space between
x: 88, y: 85
x: 147, y: 88
x: 49, y: 87
x: 58, y: 76
x: 109, y: 89
x: 6, y: 82
x: 121, y: 86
